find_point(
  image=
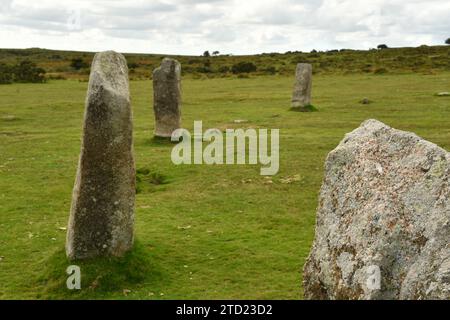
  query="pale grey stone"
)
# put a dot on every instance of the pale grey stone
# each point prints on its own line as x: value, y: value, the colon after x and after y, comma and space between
x: 301, y: 96
x: 384, y: 202
x: 167, y: 97
x: 101, y: 219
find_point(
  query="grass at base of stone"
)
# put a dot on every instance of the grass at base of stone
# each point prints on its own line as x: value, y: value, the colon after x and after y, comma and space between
x: 163, y: 140
x: 98, y: 276
x: 308, y: 108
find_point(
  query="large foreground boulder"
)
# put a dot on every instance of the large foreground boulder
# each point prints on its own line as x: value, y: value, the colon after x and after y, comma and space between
x: 102, y: 214
x: 384, y: 212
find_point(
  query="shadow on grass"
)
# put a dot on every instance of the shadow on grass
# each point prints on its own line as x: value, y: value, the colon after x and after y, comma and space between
x: 160, y: 141
x: 99, y: 277
x: 308, y: 108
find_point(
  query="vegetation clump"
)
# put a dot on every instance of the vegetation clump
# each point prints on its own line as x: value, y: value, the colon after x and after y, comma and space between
x: 23, y: 72
x: 243, y: 67
x: 78, y: 64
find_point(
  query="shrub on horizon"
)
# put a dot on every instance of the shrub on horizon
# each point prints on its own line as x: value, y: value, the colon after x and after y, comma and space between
x: 6, y: 76
x: 27, y: 71
x: 78, y: 63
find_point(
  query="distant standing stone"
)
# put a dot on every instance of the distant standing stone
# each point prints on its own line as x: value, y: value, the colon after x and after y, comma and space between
x: 101, y: 219
x: 167, y: 97
x: 301, y: 97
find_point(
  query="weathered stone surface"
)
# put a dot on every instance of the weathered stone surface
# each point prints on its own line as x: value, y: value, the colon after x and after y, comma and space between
x: 167, y: 97
x: 102, y: 214
x: 301, y: 96
x: 384, y: 202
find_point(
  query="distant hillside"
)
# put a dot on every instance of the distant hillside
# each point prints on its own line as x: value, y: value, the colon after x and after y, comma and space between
x: 75, y: 65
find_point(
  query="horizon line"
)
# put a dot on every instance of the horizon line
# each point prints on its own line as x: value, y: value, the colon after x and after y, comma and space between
x: 221, y: 54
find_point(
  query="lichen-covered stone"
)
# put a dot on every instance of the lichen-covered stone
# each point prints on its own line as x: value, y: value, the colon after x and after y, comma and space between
x: 301, y: 96
x: 384, y: 203
x: 167, y: 97
x: 102, y: 213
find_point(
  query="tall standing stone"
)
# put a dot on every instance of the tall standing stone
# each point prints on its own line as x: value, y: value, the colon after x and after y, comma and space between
x: 301, y: 97
x: 383, y: 220
x: 101, y: 219
x: 167, y: 97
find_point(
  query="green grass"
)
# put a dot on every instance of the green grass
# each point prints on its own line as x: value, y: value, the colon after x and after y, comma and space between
x: 307, y: 108
x: 99, y: 276
x: 207, y: 232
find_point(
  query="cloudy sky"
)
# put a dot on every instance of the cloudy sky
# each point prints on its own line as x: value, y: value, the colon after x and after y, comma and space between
x: 229, y: 26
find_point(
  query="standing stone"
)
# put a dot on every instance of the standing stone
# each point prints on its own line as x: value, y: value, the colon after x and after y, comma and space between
x: 301, y: 97
x: 383, y: 220
x: 102, y: 214
x: 167, y: 97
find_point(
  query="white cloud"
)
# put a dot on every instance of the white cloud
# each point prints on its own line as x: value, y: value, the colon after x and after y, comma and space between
x: 233, y: 26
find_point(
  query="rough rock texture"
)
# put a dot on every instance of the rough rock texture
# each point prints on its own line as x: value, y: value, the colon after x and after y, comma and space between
x: 384, y: 202
x: 167, y: 97
x: 301, y: 96
x: 102, y: 214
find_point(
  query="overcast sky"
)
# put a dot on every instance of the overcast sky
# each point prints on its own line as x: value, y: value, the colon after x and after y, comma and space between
x: 229, y: 26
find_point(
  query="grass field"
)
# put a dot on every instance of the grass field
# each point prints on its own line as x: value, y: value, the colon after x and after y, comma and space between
x: 209, y: 232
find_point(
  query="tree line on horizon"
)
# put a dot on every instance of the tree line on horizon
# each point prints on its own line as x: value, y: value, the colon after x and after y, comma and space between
x: 38, y: 65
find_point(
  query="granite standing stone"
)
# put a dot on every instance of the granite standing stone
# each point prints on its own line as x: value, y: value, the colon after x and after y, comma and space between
x: 167, y: 97
x: 301, y: 97
x: 383, y: 220
x: 101, y: 219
